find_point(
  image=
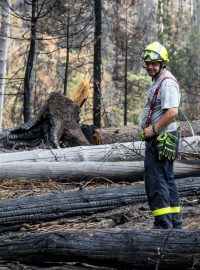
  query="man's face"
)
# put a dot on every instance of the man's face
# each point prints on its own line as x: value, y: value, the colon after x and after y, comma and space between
x: 153, y: 68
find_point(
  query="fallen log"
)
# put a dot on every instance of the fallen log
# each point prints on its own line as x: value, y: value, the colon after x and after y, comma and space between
x: 123, y: 249
x: 67, y: 171
x: 111, y: 152
x: 116, y: 134
x: 128, y: 134
x: 51, y: 266
x: 35, y: 209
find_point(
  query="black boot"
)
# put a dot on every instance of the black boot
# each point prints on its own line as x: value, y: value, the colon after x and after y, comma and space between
x: 177, y: 221
x: 163, y: 222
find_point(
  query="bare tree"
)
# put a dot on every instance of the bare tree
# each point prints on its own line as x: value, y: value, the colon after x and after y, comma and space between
x: 33, y: 11
x: 74, y: 25
x: 97, y: 65
x: 29, y: 65
x: 4, y: 33
x: 39, y: 9
x: 128, y: 34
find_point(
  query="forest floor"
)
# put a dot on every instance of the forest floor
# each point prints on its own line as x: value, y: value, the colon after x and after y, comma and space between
x: 137, y: 216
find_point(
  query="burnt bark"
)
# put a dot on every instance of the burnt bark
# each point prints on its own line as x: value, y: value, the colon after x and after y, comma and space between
x: 129, y: 134
x: 35, y: 209
x: 113, y: 135
x: 57, y: 125
x: 123, y: 249
x: 29, y: 65
x: 50, y: 266
x: 97, y: 65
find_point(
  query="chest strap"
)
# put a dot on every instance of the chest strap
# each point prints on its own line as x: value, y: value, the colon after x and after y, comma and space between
x: 153, y: 102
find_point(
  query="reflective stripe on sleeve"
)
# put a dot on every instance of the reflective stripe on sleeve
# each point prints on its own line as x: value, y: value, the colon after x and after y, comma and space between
x: 161, y: 211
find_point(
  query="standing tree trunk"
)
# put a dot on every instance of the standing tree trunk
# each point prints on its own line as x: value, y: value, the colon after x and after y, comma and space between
x: 126, y: 73
x: 67, y: 55
x: 29, y: 65
x: 97, y: 65
x: 4, y: 33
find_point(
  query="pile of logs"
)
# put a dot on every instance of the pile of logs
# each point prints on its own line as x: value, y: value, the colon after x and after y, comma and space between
x: 105, y: 159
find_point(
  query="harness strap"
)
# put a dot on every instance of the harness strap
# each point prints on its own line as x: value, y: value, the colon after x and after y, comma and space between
x: 153, y: 102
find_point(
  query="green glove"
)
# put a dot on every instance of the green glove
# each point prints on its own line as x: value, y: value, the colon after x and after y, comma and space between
x: 167, y: 146
x: 141, y: 136
x: 170, y: 146
x: 161, y: 143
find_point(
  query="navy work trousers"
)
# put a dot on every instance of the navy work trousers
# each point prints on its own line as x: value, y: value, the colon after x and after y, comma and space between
x: 161, y: 189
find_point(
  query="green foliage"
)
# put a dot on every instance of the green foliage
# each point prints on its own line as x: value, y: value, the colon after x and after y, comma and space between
x: 182, y: 39
x: 138, y: 86
x: 165, y: 22
x: 186, y: 61
x: 74, y: 79
x: 124, y: 35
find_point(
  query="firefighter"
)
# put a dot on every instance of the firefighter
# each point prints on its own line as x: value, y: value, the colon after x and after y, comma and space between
x: 161, y: 133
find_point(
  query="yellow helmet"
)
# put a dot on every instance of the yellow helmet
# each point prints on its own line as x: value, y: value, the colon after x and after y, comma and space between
x: 155, y: 52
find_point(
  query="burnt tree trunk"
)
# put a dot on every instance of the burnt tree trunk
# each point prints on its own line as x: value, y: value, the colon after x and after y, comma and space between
x: 56, y: 125
x: 50, y: 266
x: 123, y: 249
x: 29, y: 65
x: 35, y: 209
x: 130, y: 134
x: 97, y: 65
x: 113, y: 135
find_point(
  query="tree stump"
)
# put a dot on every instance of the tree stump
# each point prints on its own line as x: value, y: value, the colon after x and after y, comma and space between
x: 57, y: 125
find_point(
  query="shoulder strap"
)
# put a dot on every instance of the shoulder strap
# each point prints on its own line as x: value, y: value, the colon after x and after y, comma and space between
x: 153, y: 102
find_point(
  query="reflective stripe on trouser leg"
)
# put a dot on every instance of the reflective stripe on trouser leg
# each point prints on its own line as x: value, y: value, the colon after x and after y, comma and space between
x: 166, y: 210
x: 161, y: 211
x: 175, y: 209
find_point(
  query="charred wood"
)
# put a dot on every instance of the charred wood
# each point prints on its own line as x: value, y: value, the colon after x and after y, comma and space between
x: 123, y: 249
x: 51, y: 266
x: 114, y: 134
x: 35, y: 209
x: 129, y: 134
x: 57, y: 124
